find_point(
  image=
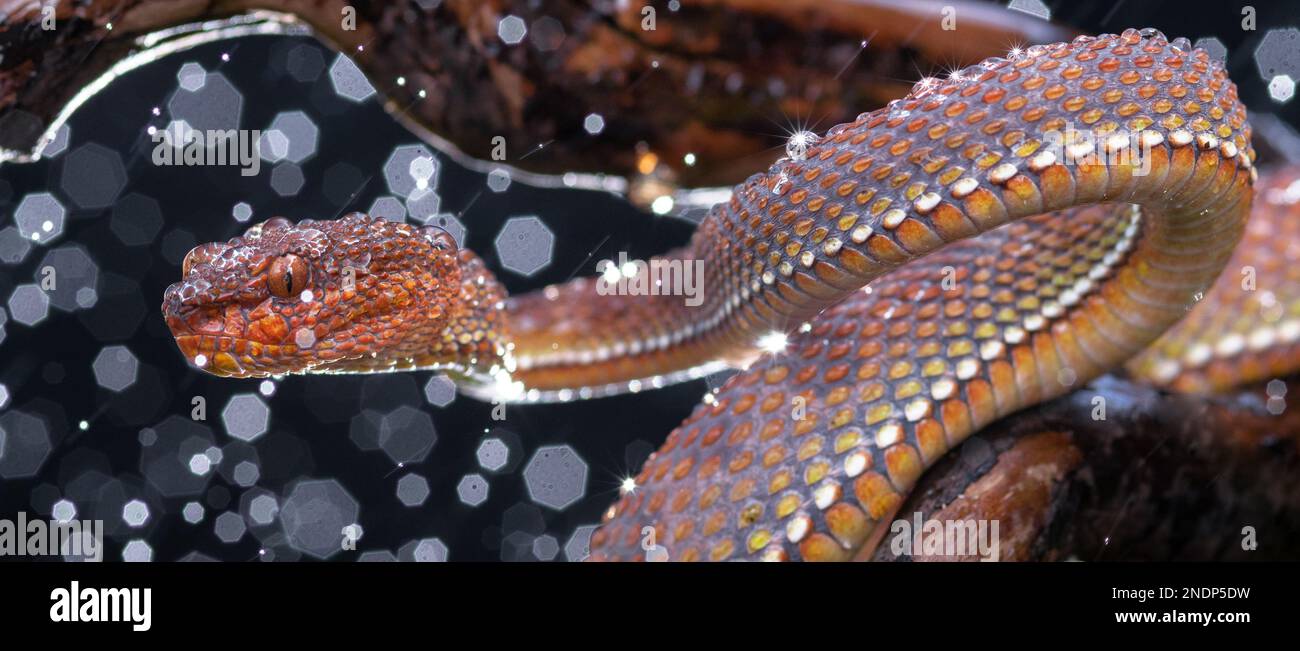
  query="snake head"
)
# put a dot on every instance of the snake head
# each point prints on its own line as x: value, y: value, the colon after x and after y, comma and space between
x: 291, y: 298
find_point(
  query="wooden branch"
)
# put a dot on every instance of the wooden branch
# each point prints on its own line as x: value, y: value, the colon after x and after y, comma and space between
x: 722, y: 80
x: 1163, y: 477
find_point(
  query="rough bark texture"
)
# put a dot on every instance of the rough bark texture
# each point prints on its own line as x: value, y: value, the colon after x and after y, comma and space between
x: 726, y: 81
x: 1163, y: 477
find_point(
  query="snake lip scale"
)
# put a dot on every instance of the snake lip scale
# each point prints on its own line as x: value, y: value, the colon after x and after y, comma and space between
x: 924, y: 270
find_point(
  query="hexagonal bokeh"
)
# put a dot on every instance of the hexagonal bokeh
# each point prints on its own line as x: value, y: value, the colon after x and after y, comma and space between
x: 93, y: 176
x: 242, y: 212
x: 546, y: 547
x: 498, y: 180
x: 29, y: 305
x: 229, y: 527
x: 287, y: 179
x: 594, y: 123
x: 556, y: 476
x: 192, y: 512
x: 390, y: 208
x: 377, y: 556
x: 314, y: 515
x: 115, y: 368
x: 137, y: 551
x: 1212, y: 46
x: 214, y: 106
x: 56, y: 145
x: 166, y: 464
x: 39, y: 217
x: 493, y: 454
x: 406, y: 434
x: 299, y: 133
x: 1031, y: 7
x: 245, y: 417
x: 412, y: 490
x: 1278, y: 53
x: 410, y: 168
x: 472, y: 489
x: 1281, y: 88
x: 191, y: 76
x: 70, y: 276
x: 135, y: 513
x: 136, y: 219
x: 246, y: 473
x: 439, y: 390
x: 429, y: 550
x: 305, y: 63
x: 63, y: 511
x: 26, y: 444
x: 525, y: 245
x: 348, y: 80
x: 13, y: 246
x: 578, y: 548
x: 263, y: 509
x: 423, y: 204
x: 512, y: 29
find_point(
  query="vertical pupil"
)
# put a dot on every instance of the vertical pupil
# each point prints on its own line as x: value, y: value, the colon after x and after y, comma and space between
x: 288, y: 279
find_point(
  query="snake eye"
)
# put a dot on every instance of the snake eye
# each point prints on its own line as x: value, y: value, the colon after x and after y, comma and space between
x: 288, y: 276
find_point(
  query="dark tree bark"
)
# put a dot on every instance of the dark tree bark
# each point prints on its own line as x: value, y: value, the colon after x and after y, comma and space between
x: 724, y: 81
x: 1163, y: 477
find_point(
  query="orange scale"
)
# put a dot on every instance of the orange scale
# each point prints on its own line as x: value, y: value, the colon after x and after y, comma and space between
x: 836, y: 373
x: 876, y: 495
x: 740, y: 461
x: 740, y: 432
x: 774, y: 455
x: 820, y: 547
x: 904, y: 466
x: 661, y: 469
x: 780, y: 480
x: 744, y: 404
x: 683, y: 467
x: 714, y: 523
x: 771, y: 402
x: 657, y: 500
x: 776, y: 373
x: 741, y: 490
x: 980, y: 399
x: 771, y: 429
x: 710, y: 495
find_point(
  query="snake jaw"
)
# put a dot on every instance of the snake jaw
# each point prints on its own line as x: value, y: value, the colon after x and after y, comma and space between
x: 315, y: 296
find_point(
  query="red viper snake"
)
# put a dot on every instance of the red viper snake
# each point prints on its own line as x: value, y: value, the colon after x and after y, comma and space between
x: 845, y: 249
x: 907, y: 279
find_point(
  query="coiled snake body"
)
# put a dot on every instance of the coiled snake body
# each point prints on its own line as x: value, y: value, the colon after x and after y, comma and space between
x: 927, y: 269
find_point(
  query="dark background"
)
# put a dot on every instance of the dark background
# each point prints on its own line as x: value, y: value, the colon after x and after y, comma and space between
x: 314, y: 426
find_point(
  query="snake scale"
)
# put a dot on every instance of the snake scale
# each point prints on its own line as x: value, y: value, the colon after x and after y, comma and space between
x: 907, y: 279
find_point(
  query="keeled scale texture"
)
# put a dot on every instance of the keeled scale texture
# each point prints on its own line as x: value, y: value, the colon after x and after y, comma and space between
x: 894, y: 378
